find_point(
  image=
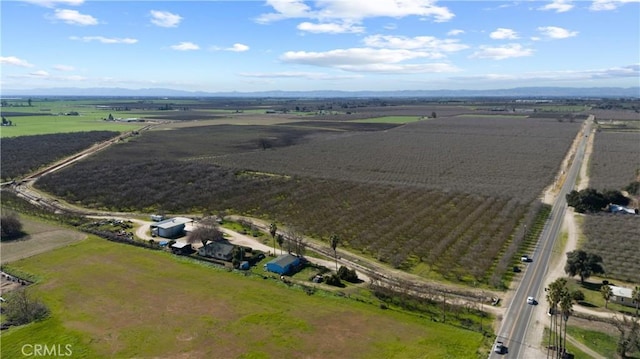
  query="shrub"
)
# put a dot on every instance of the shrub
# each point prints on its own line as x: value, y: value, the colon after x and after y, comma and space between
x: 577, y: 295
x: 21, y: 309
x: 333, y: 280
x: 348, y: 274
x: 10, y: 226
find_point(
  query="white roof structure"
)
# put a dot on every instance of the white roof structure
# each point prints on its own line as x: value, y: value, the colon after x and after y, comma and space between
x: 172, y: 222
x: 622, y: 291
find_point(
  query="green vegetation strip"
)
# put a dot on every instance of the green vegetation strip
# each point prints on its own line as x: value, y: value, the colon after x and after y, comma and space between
x: 599, y: 342
x: 114, y: 300
x: 391, y: 119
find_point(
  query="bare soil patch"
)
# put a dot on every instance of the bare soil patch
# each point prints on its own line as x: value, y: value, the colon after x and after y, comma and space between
x: 42, y: 237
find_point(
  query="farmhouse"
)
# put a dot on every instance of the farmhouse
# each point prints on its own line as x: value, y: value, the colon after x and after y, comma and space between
x: 284, y: 264
x: 622, y: 295
x: 170, y: 228
x: 217, y: 249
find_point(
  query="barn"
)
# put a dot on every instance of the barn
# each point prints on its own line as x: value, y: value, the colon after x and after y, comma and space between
x: 284, y: 264
x: 170, y: 228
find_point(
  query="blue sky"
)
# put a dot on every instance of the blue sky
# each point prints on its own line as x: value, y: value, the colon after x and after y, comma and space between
x: 319, y: 45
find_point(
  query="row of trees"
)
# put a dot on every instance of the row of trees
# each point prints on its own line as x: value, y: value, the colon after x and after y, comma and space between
x: 590, y: 200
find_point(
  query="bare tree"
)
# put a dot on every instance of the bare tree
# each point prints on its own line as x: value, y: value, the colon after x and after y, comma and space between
x: 280, y: 239
x: 629, y: 335
x: 20, y: 308
x: 205, y: 232
x: 295, y: 242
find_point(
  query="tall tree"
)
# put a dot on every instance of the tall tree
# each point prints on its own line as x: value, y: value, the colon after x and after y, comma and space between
x: 273, y: 229
x: 607, y: 293
x: 566, y: 306
x: 334, y: 240
x: 280, y: 239
x: 583, y: 264
x: 556, y: 294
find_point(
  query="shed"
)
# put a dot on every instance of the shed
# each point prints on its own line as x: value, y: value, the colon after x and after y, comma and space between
x: 284, y: 264
x: 181, y: 248
x: 217, y: 249
x: 622, y: 295
x: 170, y: 228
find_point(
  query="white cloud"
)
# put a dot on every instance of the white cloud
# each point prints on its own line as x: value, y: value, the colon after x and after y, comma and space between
x: 53, y: 3
x: 353, y: 11
x: 14, y: 61
x: 367, y: 60
x: 429, y: 43
x: 503, y: 34
x: 298, y: 74
x: 63, y: 68
x: 330, y: 28
x: 555, y: 32
x: 185, y: 46
x: 606, y: 5
x: 165, y: 18
x: 285, y: 9
x: 39, y: 73
x: 558, y: 6
x: 502, y: 52
x: 73, y: 17
x: 237, y: 47
x: 455, y: 32
x: 631, y: 71
x: 403, y: 68
x: 105, y: 40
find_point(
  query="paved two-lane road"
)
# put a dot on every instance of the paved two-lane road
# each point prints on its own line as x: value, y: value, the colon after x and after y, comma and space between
x: 517, y: 319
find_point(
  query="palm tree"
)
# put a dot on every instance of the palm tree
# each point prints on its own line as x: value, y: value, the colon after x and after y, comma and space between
x: 334, y: 240
x: 635, y: 295
x: 273, y: 228
x: 554, y: 297
x: 566, y: 306
x: 607, y: 293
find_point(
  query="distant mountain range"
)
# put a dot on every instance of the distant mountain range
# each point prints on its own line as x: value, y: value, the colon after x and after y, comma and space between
x: 531, y: 92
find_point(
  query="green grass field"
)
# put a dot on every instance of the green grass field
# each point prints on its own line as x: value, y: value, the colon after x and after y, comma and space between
x: 46, y: 124
x: 117, y: 301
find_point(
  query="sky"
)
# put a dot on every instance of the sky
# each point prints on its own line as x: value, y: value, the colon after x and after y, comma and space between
x: 294, y: 45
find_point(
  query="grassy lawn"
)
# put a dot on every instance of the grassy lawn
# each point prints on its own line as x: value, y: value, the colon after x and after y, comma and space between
x: 593, y: 297
x: 599, y: 342
x: 578, y: 354
x: 114, y: 300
